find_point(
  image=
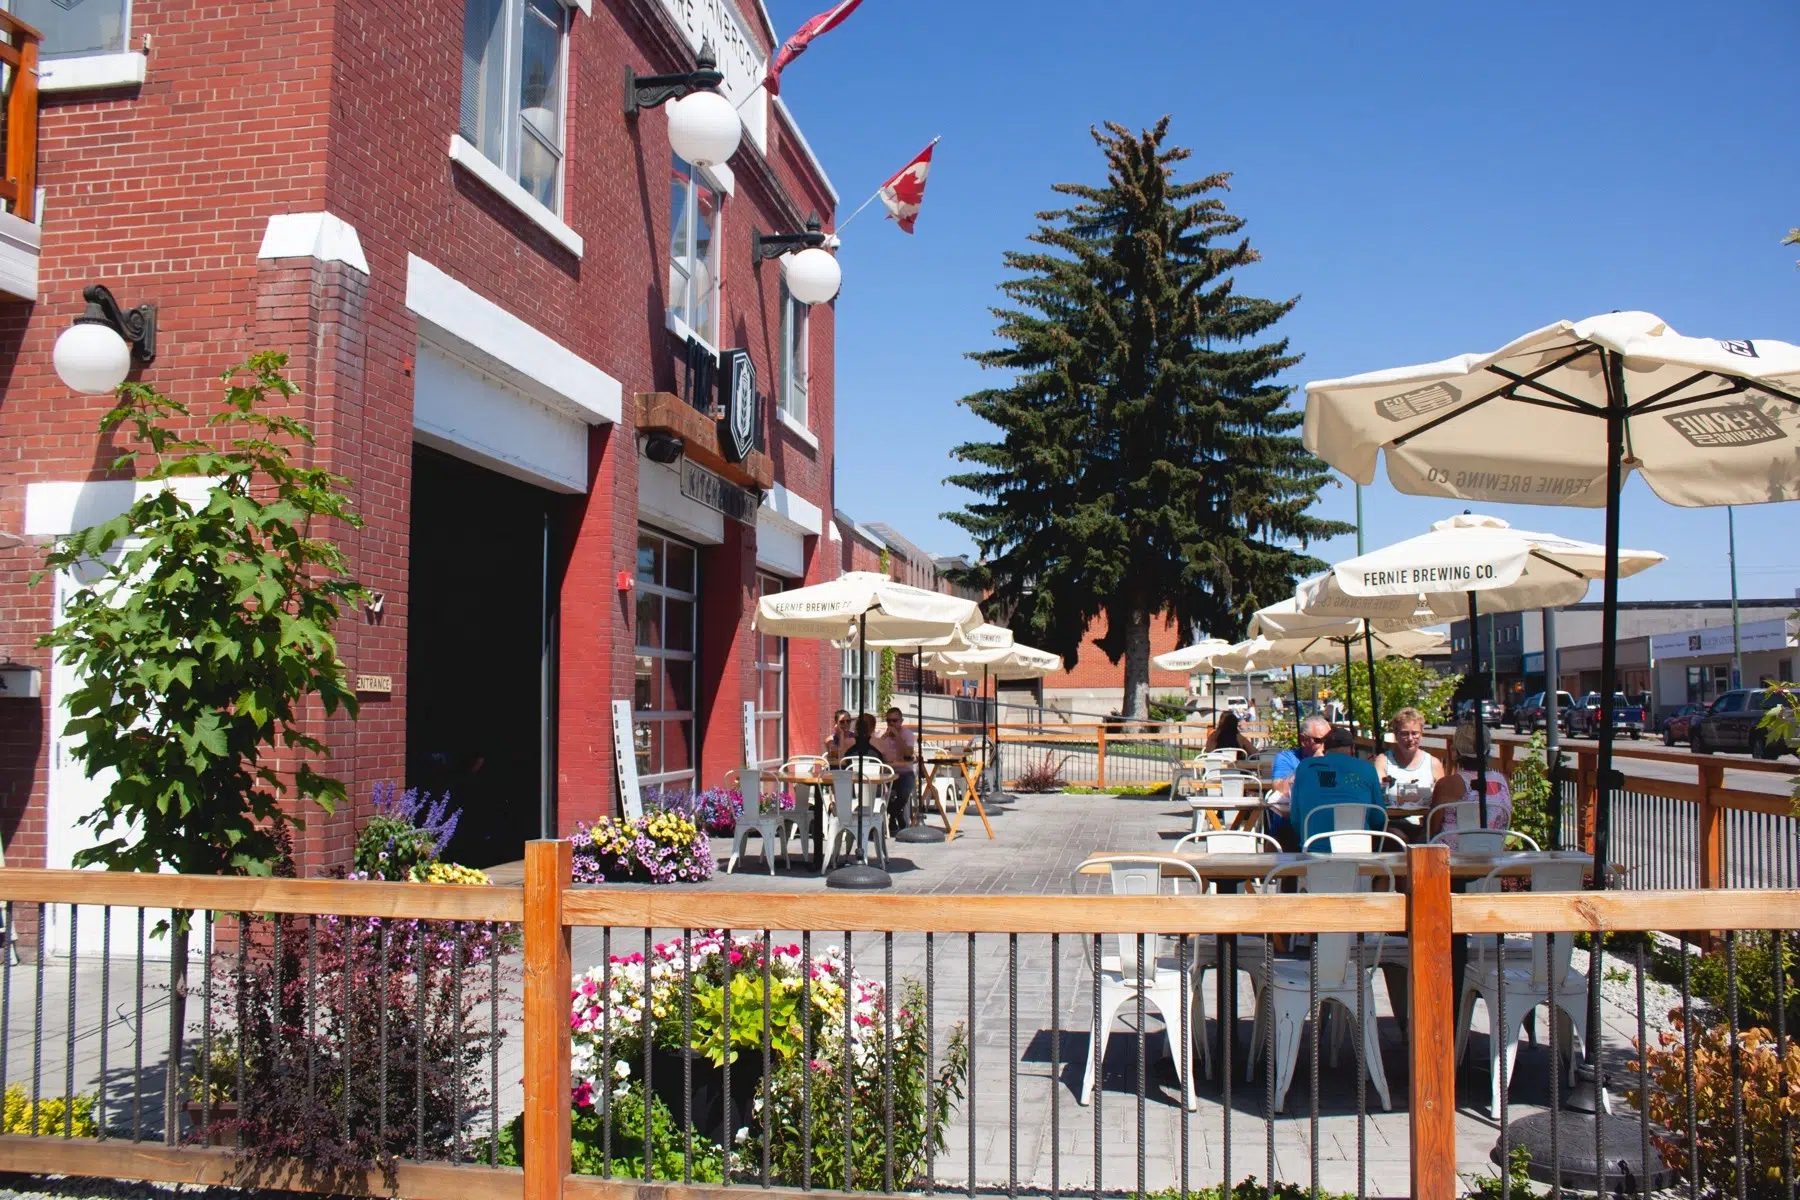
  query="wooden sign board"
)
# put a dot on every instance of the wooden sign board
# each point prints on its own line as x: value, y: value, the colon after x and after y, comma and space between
x: 375, y: 683
x: 631, y: 801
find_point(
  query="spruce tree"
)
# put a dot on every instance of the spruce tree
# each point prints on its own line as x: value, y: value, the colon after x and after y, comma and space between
x: 1147, y: 462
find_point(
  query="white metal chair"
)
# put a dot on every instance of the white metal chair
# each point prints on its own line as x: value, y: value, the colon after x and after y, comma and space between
x: 1361, y: 841
x: 1125, y: 974
x: 858, y: 813
x: 1284, y: 1008
x: 1546, y: 979
x: 1232, y: 786
x: 1468, y: 825
x: 818, y: 767
x: 1345, y: 828
x: 767, y: 823
x: 1484, y: 841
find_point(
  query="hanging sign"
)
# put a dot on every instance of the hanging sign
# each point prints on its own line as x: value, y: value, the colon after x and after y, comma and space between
x: 737, y: 396
x: 703, y: 487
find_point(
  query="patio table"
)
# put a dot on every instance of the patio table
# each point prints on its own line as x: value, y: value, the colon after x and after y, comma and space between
x: 819, y: 788
x: 1246, y: 808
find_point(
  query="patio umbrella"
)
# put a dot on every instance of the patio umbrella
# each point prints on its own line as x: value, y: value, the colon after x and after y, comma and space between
x: 1468, y: 562
x: 1189, y: 659
x: 1263, y: 653
x: 1285, y: 620
x: 999, y: 663
x: 1559, y: 416
x: 987, y: 637
x: 861, y: 608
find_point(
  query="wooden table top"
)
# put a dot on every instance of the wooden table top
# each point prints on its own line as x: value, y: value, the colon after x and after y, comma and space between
x: 1463, y: 865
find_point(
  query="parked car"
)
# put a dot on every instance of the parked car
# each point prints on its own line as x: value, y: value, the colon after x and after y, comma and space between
x: 1584, y: 716
x: 1492, y: 711
x: 1733, y: 722
x: 1677, y: 726
x: 1531, y: 714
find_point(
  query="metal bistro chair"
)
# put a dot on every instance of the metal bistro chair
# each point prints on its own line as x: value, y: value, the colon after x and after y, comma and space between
x: 818, y: 767
x: 1346, y: 829
x: 858, y: 813
x: 766, y: 823
x: 1344, y: 980
x: 1126, y: 973
x: 1468, y: 833
x: 1232, y: 785
x: 1546, y: 979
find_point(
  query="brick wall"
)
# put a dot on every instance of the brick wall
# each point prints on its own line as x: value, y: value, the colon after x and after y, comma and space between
x: 348, y: 106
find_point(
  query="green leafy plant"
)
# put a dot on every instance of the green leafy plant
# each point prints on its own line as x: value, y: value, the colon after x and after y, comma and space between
x: 1122, y: 789
x: 1404, y: 683
x: 1249, y: 1189
x: 588, y: 1142
x: 1781, y: 725
x: 1163, y: 708
x: 51, y: 1116
x: 199, y: 636
x: 1492, y: 1187
x: 1765, y: 1080
x: 1533, y: 794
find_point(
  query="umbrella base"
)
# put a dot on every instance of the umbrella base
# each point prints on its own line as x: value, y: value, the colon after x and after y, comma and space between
x: 1621, y: 1152
x: 914, y: 835
x: 859, y: 877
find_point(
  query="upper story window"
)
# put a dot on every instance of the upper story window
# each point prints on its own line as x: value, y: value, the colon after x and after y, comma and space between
x: 80, y: 28
x: 795, y: 358
x: 693, y: 251
x: 513, y: 76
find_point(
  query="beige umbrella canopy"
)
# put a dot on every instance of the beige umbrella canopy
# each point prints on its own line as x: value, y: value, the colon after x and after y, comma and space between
x: 1196, y: 657
x: 866, y: 608
x: 1261, y: 653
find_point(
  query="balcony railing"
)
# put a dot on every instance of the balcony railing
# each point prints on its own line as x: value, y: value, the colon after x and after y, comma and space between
x: 19, y: 56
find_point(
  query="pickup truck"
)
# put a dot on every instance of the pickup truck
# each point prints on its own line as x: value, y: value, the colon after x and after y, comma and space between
x: 1584, y: 718
x: 1532, y: 714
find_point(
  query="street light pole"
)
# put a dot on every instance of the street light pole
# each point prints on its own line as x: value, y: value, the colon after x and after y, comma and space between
x: 1737, y: 646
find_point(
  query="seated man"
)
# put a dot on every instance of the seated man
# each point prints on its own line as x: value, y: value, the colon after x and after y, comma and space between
x: 896, y: 746
x: 1336, y: 777
x: 1281, y: 779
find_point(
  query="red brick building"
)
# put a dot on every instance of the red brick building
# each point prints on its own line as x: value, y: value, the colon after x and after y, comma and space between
x: 1096, y: 685
x: 498, y: 291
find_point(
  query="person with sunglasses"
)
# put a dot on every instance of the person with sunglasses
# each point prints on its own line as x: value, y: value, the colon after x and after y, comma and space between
x: 897, y: 744
x: 1313, y: 731
x: 1407, y: 772
x: 843, y: 736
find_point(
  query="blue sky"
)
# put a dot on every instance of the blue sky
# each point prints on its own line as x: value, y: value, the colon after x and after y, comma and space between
x: 1429, y: 178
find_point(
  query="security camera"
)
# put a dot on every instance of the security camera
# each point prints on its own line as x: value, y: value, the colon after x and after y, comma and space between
x: 662, y: 448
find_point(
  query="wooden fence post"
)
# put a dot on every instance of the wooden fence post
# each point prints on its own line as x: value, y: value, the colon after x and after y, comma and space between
x: 548, y: 979
x: 1712, y: 827
x: 1431, y: 1039
x: 1587, y: 772
x: 1101, y: 766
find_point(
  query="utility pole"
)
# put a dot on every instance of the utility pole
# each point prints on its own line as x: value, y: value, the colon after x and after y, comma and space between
x: 1737, y: 647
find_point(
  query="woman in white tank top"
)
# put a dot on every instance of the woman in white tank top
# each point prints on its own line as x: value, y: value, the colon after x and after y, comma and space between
x: 1407, y: 772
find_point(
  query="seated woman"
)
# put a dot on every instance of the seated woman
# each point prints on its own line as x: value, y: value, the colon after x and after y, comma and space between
x: 1224, y: 735
x: 1462, y: 787
x: 842, y: 736
x: 1407, y: 772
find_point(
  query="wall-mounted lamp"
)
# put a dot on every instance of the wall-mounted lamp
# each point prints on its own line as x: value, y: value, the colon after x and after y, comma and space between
x: 703, y: 126
x: 95, y: 353
x: 810, y: 271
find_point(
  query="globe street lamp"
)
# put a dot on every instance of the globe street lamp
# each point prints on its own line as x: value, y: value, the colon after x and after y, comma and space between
x: 95, y: 353
x: 811, y: 272
x: 703, y: 126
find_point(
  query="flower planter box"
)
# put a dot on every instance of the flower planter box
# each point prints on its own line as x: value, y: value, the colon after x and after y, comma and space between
x: 715, y: 1115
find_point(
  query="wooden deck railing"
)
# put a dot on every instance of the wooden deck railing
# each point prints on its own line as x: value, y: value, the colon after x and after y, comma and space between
x: 19, y: 54
x: 551, y: 909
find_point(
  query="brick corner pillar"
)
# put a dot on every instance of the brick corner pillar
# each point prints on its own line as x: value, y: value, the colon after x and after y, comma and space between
x: 595, y: 620
x: 312, y: 302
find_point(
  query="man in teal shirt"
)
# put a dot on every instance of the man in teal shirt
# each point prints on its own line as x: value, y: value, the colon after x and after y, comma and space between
x: 1335, y: 777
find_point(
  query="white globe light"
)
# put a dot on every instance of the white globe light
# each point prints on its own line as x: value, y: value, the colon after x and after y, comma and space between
x: 704, y: 128
x: 91, y: 358
x: 813, y: 275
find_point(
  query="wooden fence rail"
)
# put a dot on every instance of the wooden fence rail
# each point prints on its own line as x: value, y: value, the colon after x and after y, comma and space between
x: 550, y: 908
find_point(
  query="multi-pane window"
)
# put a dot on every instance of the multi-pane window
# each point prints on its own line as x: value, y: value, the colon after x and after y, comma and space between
x: 795, y: 362
x: 663, y: 699
x: 771, y: 687
x: 861, y: 674
x: 76, y: 28
x: 512, y: 89
x: 693, y: 250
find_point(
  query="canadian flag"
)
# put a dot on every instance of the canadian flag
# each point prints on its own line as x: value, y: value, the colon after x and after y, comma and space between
x: 796, y: 45
x: 906, y: 190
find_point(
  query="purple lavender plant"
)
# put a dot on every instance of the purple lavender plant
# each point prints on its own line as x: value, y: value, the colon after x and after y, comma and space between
x: 408, y: 829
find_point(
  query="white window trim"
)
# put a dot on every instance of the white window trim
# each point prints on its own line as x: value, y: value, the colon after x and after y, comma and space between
x: 87, y: 72
x: 690, y: 210
x: 465, y: 154
x: 793, y: 314
x: 796, y: 428
x: 682, y: 330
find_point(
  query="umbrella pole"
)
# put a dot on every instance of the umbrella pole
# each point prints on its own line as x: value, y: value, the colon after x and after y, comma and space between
x: 1481, y: 757
x: 1374, y: 693
x: 1609, y: 613
x: 1294, y: 683
x: 861, y: 875
x: 914, y: 831
x: 1349, y: 694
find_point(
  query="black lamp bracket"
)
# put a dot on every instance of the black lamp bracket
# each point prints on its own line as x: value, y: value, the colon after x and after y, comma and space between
x: 774, y: 245
x: 136, y: 325
x: 652, y: 91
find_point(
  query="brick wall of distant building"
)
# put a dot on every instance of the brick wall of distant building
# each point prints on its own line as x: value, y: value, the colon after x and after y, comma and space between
x: 1094, y: 670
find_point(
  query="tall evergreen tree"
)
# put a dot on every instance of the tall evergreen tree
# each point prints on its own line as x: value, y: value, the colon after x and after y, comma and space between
x: 1147, y: 463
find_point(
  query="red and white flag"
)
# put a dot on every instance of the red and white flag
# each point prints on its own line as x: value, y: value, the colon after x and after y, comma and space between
x: 796, y: 45
x: 906, y: 190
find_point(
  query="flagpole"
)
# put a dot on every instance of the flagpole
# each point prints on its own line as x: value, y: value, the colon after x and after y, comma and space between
x: 845, y: 223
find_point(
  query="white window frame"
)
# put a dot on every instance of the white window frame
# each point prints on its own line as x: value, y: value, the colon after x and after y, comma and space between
x: 681, y: 309
x: 88, y: 69
x: 796, y: 368
x: 768, y: 754
x: 514, y: 14
x: 869, y: 663
x: 670, y: 720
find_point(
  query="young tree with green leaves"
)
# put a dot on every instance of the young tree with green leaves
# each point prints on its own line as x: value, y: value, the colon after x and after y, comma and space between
x: 200, y: 633
x: 1404, y: 683
x: 1148, y: 465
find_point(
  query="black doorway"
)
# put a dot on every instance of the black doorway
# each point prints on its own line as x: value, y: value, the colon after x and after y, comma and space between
x: 479, y: 638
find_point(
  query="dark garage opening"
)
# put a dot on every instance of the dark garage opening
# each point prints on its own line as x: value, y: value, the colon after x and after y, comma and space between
x: 479, y: 641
